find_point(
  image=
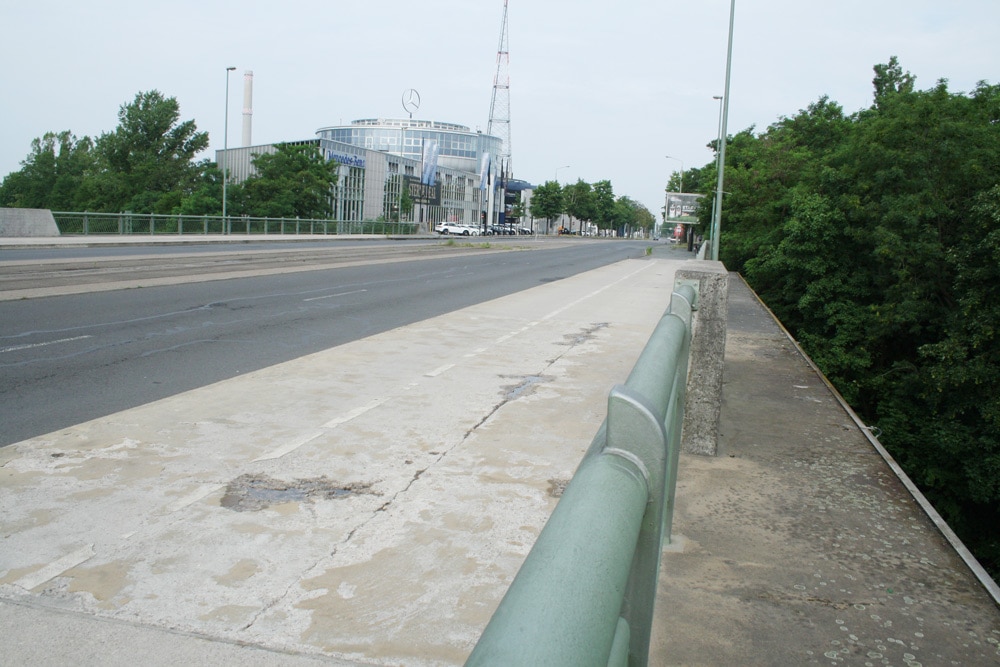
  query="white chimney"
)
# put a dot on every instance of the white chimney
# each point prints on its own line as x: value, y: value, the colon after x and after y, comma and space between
x: 247, y: 105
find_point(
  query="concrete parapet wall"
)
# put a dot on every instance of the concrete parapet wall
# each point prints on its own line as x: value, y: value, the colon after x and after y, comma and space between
x: 708, y: 346
x: 21, y: 222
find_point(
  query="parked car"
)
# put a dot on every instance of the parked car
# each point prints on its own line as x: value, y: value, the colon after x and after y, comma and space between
x: 456, y: 229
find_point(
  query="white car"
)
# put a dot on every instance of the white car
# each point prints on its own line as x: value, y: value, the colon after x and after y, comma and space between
x: 455, y: 228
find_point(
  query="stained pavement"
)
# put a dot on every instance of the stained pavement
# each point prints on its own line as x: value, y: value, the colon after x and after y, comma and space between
x: 368, y: 505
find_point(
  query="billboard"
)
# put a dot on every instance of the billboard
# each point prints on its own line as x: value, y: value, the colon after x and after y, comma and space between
x: 682, y: 206
x: 421, y: 193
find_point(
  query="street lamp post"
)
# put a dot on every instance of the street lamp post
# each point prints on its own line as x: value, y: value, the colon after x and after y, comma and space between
x: 225, y: 148
x: 565, y: 166
x: 717, y: 223
x: 718, y: 164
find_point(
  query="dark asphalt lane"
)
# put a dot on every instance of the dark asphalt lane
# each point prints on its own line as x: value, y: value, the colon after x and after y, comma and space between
x: 68, y: 359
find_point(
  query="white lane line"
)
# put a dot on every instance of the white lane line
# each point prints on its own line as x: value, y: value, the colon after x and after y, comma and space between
x: 333, y: 423
x: 440, y: 369
x: 55, y: 568
x: 15, y: 348
x: 332, y: 296
x: 289, y: 447
x: 356, y: 412
x: 596, y: 292
x: 193, y: 497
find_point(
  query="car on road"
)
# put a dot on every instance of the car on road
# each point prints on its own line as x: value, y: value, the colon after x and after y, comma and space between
x: 456, y: 229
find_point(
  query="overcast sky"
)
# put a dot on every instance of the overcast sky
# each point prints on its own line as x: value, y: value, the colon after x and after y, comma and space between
x: 607, y: 88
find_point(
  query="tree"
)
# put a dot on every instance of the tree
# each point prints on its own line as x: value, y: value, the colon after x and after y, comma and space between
x: 547, y: 201
x: 875, y: 239
x: 579, y: 201
x: 604, y: 205
x: 205, y: 197
x: 891, y: 80
x: 405, y: 204
x: 51, y: 174
x: 147, y: 164
x: 629, y: 215
x: 294, y: 181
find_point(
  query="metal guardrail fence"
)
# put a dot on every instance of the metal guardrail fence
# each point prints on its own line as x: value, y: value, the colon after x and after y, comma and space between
x: 585, y: 593
x: 76, y: 224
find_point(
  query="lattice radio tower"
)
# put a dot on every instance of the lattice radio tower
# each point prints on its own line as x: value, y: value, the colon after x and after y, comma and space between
x: 499, y: 125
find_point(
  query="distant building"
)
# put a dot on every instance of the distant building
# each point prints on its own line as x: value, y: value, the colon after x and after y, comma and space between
x: 445, y: 168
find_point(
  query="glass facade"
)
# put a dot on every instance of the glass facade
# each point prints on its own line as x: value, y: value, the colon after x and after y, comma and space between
x: 458, y: 146
x: 375, y: 155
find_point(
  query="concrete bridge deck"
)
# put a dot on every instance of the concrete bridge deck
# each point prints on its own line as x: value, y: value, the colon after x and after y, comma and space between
x: 368, y: 505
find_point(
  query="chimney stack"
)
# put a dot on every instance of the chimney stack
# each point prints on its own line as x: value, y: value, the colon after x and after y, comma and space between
x: 247, y: 105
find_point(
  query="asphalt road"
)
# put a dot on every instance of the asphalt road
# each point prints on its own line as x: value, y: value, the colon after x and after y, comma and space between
x: 69, y: 358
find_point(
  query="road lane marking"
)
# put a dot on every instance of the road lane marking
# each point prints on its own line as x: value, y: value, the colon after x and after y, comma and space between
x: 55, y: 568
x: 440, y: 369
x: 190, y: 499
x: 15, y: 348
x: 356, y: 412
x: 332, y: 296
x: 583, y: 298
x: 289, y: 447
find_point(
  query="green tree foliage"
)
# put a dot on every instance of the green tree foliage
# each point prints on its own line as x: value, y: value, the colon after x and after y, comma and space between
x: 205, y: 197
x: 629, y: 215
x: 547, y: 201
x: 875, y: 238
x: 294, y: 181
x: 580, y: 201
x: 603, y: 197
x: 51, y: 175
x: 147, y: 164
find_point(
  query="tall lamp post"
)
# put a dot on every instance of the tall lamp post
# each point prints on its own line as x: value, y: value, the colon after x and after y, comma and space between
x: 718, y: 164
x: 565, y: 166
x: 717, y: 223
x: 225, y: 148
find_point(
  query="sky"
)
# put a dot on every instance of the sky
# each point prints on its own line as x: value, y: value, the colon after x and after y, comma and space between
x: 598, y: 90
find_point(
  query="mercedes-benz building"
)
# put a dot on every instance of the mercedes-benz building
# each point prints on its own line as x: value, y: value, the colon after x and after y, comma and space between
x: 444, y: 168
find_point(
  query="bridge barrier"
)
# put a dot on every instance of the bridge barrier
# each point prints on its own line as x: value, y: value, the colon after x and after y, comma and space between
x: 123, y: 224
x: 585, y: 593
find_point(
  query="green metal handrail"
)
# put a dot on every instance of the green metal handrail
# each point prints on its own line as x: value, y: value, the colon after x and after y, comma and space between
x: 124, y: 224
x: 585, y: 593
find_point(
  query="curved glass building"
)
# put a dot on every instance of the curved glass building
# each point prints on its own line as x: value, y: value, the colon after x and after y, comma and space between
x: 441, y: 167
x: 458, y: 147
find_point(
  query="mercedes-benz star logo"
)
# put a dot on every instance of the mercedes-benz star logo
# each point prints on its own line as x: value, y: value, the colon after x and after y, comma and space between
x: 411, y: 101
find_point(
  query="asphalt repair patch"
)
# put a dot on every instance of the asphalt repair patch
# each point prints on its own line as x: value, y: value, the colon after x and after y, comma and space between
x: 250, y: 493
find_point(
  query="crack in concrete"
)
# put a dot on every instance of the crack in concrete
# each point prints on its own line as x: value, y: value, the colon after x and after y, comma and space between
x: 526, y: 384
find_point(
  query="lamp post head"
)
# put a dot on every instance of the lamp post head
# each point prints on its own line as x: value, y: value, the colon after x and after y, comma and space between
x: 230, y: 69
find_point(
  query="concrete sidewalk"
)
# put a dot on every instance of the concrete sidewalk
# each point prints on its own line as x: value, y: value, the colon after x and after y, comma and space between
x: 799, y: 544
x: 368, y: 504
